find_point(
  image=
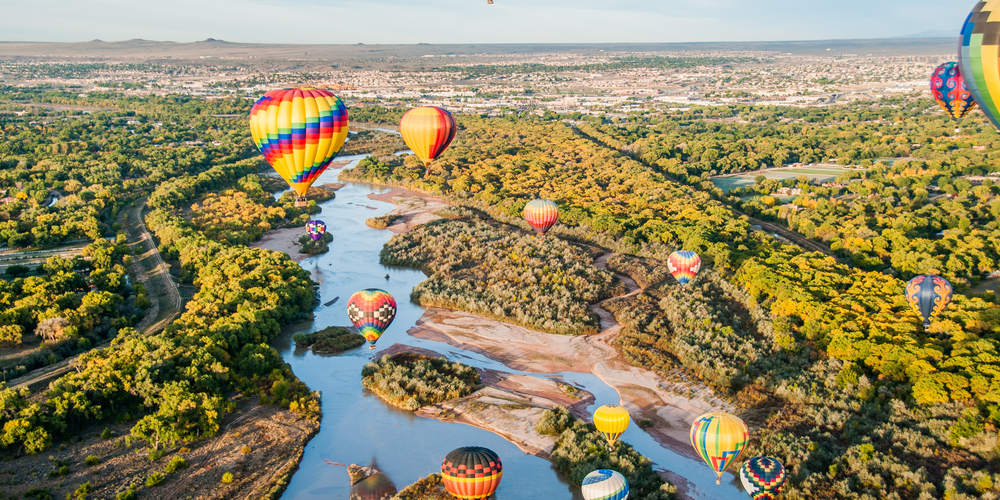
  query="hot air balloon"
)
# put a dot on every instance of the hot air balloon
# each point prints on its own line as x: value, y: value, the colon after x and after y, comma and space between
x: 978, y: 55
x: 949, y: 89
x: 604, y: 484
x: 928, y: 295
x: 371, y: 310
x: 299, y: 132
x: 316, y: 229
x: 719, y: 438
x: 471, y: 473
x: 684, y: 265
x: 762, y: 477
x: 428, y: 131
x: 376, y: 487
x: 541, y: 215
x: 611, y: 421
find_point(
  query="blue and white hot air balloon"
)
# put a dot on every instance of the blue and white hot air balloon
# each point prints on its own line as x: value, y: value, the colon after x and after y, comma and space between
x: 604, y: 484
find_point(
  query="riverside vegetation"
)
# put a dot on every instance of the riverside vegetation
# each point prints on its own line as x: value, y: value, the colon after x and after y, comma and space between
x: 826, y: 360
x: 331, y: 339
x: 409, y: 380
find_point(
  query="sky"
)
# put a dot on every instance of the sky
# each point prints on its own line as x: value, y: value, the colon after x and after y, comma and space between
x: 473, y: 21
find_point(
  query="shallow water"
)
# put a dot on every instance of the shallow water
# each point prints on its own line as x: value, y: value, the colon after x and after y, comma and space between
x: 358, y: 427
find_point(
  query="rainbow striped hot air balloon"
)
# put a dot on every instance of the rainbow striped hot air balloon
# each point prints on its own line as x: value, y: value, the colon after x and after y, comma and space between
x: 720, y: 439
x: 949, y: 90
x: 928, y: 295
x: 541, y: 215
x: 299, y: 132
x: 604, y: 484
x: 979, y: 58
x: 684, y: 265
x: 762, y: 477
x: 371, y: 310
x: 471, y: 473
x: 611, y: 421
x: 316, y: 229
x: 428, y: 131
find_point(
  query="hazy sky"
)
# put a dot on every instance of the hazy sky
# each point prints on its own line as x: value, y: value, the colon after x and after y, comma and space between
x: 473, y: 21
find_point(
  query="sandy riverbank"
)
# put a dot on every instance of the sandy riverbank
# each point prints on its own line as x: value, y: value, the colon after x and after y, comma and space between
x: 283, y: 240
x: 412, y: 207
x: 670, y: 406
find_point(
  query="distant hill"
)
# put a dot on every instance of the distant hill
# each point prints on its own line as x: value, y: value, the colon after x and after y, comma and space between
x: 932, y: 34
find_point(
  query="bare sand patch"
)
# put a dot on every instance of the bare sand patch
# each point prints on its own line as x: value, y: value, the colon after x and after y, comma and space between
x: 412, y: 207
x: 283, y: 240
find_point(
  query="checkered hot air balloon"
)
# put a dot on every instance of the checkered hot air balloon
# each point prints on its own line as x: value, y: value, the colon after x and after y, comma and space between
x: 949, y: 90
x: 684, y: 265
x: 604, y: 484
x: 720, y: 439
x: 428, y: 131
x: 316, y: 229
x: 371, y: 310
x: 928, y: 295
x: 471, y: 473
x: 762, y: 477
x: 979, y: 55
x: 541, y: 215
x: 299, y: 132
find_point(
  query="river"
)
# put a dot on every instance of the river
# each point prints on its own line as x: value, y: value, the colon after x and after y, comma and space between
x: 358, y: 427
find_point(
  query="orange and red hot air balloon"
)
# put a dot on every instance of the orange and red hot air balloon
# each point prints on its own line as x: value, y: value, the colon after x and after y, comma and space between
x: 541, y: 215
x: 428, y: 131
x: 471, y: 473
x: 299, y: 132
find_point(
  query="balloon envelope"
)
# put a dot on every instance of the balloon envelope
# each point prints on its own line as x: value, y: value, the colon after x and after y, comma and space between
x: 979, y: 52
x: 541, y: 215
x: 949, y: 90
x: 604, y: 484
x: 611, y: 421
x: 299, y: 132
x: 928, y: 295
x: 316, y: 229
x: 471, y: 472
x: 762, y: 477
x: 371, y: 310
x: 428, y: 131
x: 684, y: 265
x: 720, y: 439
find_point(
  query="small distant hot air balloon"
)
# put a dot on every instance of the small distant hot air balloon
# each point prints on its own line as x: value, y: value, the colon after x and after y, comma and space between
x: 762, y: 477
x: 428, y: 131
x: 978, y: 58
x: 471, y: 473
x: 541, y: 215
x: 720, y: 439
x: 316, y: 229
x: 299, y: 132
x: 371, y: 310
x: 949, y: 90
x: 376, y: 487
x: 928, y: 295
x: 611, y: 421
x: 684, y: 265
x: 604, y: 484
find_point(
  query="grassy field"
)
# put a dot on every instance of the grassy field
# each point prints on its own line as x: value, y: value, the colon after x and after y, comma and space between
x: 816, y: 174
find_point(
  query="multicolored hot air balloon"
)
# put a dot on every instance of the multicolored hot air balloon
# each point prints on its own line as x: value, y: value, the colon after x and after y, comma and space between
x: 428, y: 131
x: 720, y: 439
x: 316, y: 229
x: 762, y: 477
x: 371, y: 310
x: 376, y: 487
x: 949, y: 90
x: 928, y: 295
x: 604, y: 484
x: 299, y: 132
x: 684, y: 265
x: 611, y: 421
x: 979, y: 58
x: 541, y: 215
x: 471, y: 473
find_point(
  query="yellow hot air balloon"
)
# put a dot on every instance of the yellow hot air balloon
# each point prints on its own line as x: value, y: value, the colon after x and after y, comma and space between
x: 428, y: 131
x: 720, y: 439
x: 299, y: 132
x: 611, y: 421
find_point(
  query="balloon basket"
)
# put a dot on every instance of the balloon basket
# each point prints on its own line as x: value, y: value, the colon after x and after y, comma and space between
x: 371, y: 347
x: 300, y: 203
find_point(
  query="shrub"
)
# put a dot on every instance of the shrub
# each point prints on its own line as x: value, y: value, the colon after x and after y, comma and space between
x: 245, y: 450
x: 176, y: 464
x: 227, y: 477
x: 409, y: 380
x: 81, y: 493
x: 329, y: 340
x: 91, y: 460
x: 128, y: 494
x: 154, y: 479
x: 106, y: 434
x: 555, y: 421
x: 383, y: 221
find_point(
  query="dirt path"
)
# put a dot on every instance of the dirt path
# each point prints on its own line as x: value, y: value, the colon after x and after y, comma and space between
x: 609, y: 325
